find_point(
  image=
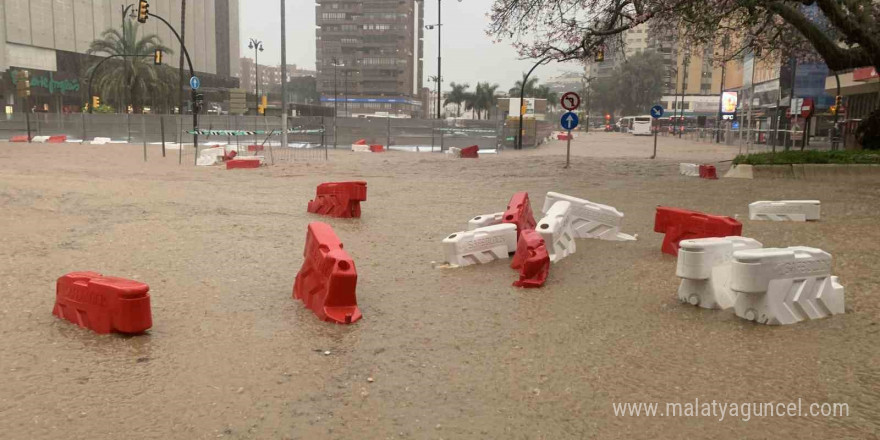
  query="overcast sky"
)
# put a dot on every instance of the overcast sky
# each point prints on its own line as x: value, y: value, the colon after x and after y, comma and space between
x: 468, y: 54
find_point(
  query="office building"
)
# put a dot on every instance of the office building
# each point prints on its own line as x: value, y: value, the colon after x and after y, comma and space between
x: 369, y: 56
x: 50, y: 38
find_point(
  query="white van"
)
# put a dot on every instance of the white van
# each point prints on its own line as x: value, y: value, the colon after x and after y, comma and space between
x: 641, y: 125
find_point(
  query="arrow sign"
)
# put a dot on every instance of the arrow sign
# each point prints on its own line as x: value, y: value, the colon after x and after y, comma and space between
x: 570, y: 101
x: 569, y: 121
x: 195, y: 83
x: 656, y: 111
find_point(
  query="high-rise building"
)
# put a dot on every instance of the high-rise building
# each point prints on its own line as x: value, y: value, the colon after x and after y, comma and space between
x: 270, y: 76
x: 369, y: 56
x: 50, y: 38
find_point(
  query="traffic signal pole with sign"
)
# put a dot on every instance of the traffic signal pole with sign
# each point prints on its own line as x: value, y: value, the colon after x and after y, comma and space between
x: 196, y: 98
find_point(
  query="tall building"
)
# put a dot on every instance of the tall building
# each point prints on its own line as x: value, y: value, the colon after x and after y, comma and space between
x: 369, y: 56
x: 49, y: 38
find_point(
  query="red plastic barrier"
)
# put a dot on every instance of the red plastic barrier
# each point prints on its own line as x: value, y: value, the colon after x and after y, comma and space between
x: 327, y: 281
x: 339, y: 199
x: 681, y: 224
x: 230, y: 155
x: 255, y: 148
x: 708, y: 172
x: 531, y: 259
x: 103, y: 304
x: 471, y: 152
x: 22, y: 138
x: 519, y: 213
x: 361, y: 142
x: 57, y: 139
x: 562, y: 136
x: 377, y: 148
x: 242, y: 163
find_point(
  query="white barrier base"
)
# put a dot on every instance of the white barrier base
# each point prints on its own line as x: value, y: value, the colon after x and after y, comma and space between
x: 590, y: 220
x: 704, y: 267
x: 785, y: 286
x: 785, y: 210
x: 689, y: 169
x: 480, y: 246
x: 40, y: 139
x: 453, y: 152
x: 555, y: 229
x: 481, y: 221
x: 360, y: 148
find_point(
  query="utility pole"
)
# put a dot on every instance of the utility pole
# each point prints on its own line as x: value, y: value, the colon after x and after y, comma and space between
x: 439, y: 63
x: 180, y: 67
x: 751, y: 100
x: 283, y: 76
x: 724, y: 43
x: 684, y: 79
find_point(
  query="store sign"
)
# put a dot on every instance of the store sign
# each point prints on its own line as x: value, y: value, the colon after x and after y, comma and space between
x: 49, y: 83
x: 864, y: 73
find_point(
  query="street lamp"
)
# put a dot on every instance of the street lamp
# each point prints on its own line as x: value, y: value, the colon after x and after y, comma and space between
x: 436, y: 79
x: 336, y: 64
x: 257, y: 46
x: 439, y: 60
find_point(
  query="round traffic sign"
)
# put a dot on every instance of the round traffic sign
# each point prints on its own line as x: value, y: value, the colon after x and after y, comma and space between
x: 195, y: 83
x: 656, y: 111
x: 570, y: 101
x: 569, y: 121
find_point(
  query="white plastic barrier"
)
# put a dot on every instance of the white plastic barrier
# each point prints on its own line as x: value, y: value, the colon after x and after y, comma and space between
x: 210, y: 156
x: 100, y: 141
x: 791, y: 210
x: 480, y: 246
x: 590, y: 220
x: 454, y: 152
x: 689, y: 169
x: 481, y: 221
x: 785, y: 286
x: 360, y: 148
x: 40, y: 139
x: 555, y: 229
x: 704, y: 269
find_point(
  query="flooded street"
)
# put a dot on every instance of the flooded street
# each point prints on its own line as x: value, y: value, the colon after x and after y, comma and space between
x: 453, y: 354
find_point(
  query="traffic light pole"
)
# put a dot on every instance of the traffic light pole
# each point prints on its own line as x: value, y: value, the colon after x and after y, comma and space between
x: 522, y: 91
x: 192, y: 73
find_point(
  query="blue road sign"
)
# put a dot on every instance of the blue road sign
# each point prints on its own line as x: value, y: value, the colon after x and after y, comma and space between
x: 195, y: 83
x: 657, y: 111
x: 569, y: 121
x: 735, y: 125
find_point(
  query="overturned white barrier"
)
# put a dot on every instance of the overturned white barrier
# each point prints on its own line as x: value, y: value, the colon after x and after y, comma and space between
x: 360, y: 148
x: 555, y: 229
x: 39, y: 139
x: 704, y: 269
x: 480, y: 246
x: 481, y: 221
x: 590, y: 220
x: 100, y: 141
x: 785, y: 286
x: 453, y: 152
x: 689, y: 169
x: 785, y: 210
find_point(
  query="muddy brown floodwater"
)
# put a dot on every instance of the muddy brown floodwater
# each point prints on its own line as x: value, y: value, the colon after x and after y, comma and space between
x: 454, y: 354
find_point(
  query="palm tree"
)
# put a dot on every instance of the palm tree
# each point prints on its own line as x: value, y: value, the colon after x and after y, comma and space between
x: 544, y: 92
x: 530, y: 87
x: 457, y: 96
x: 135, y: 76
x: 482, y: 99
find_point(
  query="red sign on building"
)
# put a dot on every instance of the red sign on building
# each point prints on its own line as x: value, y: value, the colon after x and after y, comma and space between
x: 864, y: 73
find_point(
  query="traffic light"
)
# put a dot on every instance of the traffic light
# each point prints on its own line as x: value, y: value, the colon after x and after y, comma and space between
x: 157, y: 57
x: 143, y: 11
x: 264, y: 101
x: 96, y: 102
x: 607, y: 117
x: 523, y: 109
x: 838, y: 101
x: 600, y: 54
x: 23, y: 83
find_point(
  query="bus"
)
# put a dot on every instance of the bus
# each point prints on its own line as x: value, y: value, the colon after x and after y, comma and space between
x: 641, y: 125
x: 624, y: 124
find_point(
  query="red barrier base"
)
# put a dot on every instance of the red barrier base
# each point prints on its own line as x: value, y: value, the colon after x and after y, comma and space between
x: 681, y: 224
x: 229, y: 156
x: 255, y: 148
x: 242, y: 163
x: 519, y: 213
x: 471, y: 152
x: 103, y: 304
x: 377, y: 148
x: 562, y: 137
x: 57, y: 139
x: 361, y: 142
x: 708, y: 172
x: 19, y: 139
x: 531, y: 259
x: 339, y: 199
x: 327, y: 281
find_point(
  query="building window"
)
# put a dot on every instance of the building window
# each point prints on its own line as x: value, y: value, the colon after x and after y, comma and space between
x: 333, y: 15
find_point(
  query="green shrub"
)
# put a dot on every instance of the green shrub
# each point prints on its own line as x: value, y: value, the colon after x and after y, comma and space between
x: 797, y: 157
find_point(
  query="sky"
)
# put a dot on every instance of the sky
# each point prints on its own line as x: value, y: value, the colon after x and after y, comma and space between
x: 469, y: 55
